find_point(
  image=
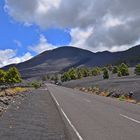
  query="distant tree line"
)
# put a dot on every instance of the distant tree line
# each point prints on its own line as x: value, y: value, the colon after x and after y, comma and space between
x: 78, y: 73
x: 10, y: 77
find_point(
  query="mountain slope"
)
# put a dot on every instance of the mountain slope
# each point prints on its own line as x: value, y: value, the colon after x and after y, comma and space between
x: 66, y: 57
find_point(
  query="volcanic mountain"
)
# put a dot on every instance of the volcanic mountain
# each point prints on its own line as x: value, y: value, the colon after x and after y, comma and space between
x: 63, y: 58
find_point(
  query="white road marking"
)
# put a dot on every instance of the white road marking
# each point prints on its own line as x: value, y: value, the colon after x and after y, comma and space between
x: 87, y: 100
x: 75, y: 130
x: 55, y: 99
x: 44, y: 89
x: 77, y: 133
x: 136, y: 121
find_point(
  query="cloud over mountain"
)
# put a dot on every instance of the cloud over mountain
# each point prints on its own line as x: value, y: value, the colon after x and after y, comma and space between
x: 115, y: 23
x: 8, y: 56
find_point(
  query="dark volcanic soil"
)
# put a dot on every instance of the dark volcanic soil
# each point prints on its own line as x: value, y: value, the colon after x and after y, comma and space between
x: 121, y: 85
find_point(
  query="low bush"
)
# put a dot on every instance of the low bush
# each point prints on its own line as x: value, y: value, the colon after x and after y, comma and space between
x: 123, y: 69
x: 115, y: 70
x: 122, y: 98
x: 36, y: 84
x: 105, y: 73
x: 119, y: 74
x: 137, y: 69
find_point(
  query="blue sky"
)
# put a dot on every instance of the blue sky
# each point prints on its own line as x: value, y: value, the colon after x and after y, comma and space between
x: 29, y: 27
x: 16, y: 36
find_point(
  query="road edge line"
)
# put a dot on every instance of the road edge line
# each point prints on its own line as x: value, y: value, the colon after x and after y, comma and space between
x: 66, y: 117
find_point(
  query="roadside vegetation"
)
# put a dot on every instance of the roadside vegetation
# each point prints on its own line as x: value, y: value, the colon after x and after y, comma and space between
x: 137, y: 69
x: 106, y: 72
x: 35, y: 84
x: 121, y: 70
x: 117, y: 95
x: 12, y: 85
x: 82, y: 72
x: 78, y: 73
x: 10, y: 77
x: 10, y: 82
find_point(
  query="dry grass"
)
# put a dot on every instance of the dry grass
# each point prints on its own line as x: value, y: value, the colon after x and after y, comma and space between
x: 105, y: 94
x: 12, y: 91
x: 91, y: 90
x: 138, y: 103
x: 127, y: 99
x: 131, y: 101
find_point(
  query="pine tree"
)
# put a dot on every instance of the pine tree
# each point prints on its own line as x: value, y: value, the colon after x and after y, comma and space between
x: 13, y: 76
x: 137, y: 69
x: 105, y: 73
x: 95, y: 71
x: 124, y: 69
x: 115, y: 70
x: 2, y: 77
x: 72, y: 74
x: 65, y: 77
x: 119, y: 74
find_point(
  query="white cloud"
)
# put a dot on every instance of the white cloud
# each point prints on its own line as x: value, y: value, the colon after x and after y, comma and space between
x: 115, y: 23
x: 45, y: 5
x: 8, y: 56
x: 112, y: 22
x: 79, y: 37
x: 42, y: 46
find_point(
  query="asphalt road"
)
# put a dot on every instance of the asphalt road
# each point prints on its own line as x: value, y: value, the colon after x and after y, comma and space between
x: 93, y: 117
x: 34, y: 117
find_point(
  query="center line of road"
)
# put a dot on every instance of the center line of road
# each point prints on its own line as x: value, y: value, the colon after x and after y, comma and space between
x: 136, y: 121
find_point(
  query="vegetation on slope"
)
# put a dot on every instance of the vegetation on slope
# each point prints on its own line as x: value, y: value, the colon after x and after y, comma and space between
x: 78, y: 73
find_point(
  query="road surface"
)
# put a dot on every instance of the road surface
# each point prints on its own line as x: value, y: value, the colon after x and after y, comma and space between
x: 34, y: 117
x: 93, y: 117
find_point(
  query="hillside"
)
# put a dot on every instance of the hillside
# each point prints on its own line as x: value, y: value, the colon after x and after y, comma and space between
x: 64, y: 58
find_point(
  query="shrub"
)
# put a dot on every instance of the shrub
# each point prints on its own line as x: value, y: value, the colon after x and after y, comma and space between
x: 105, y: 73
x: 85, y: 72
x: 115, y: 70
x: 122, y: 98
x: 2, y: 77
x: 36, y: 84
x: 79, y: 73
x: 95, y: 71
x: 124, y: 69
x: 137, y: 69
x: 119, y: 74
x: 72, y: 73
x: 65, y: 77
x: 12, y: 76
x: 109, y: 67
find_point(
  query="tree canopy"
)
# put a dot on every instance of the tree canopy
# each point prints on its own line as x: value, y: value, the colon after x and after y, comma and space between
x: 137, y: 69
x: 10, y: 77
